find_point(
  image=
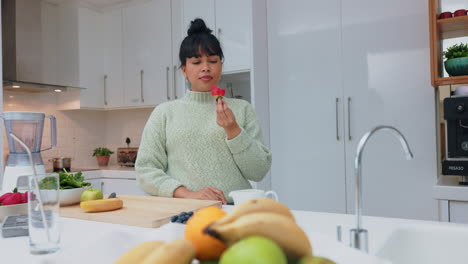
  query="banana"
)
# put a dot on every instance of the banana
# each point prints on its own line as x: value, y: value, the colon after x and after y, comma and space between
x: 279, y: 228
x: 254, y: 206
x: 101, y: 205
x: 179, y: 251
x: 139, y: 253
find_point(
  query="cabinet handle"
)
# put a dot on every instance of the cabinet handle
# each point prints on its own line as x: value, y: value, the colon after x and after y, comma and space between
x: 167, y: 83
x: 105, y: 89
x: 102, y: 186
x: 174, y: 81
x: 142, y: 98
x: 336, y: 119
x: 349, y: 118
x: 219, y: 35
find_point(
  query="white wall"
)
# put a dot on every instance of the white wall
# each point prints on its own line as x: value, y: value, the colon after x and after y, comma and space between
x: 80, y: 131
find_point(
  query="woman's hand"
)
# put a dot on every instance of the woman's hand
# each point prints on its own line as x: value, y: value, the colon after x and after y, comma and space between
x: 226, y: 119
x: 208, y: 193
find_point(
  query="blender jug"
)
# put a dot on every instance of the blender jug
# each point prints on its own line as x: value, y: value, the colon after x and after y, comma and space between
x: 27, y: 126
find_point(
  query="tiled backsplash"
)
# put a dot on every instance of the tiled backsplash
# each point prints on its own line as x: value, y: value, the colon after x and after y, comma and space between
x: 80, y: 131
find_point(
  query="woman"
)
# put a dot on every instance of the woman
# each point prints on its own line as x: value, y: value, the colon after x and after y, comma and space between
x: 197, y: 147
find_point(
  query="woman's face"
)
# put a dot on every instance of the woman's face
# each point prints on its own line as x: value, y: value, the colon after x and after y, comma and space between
x: 202, y: 72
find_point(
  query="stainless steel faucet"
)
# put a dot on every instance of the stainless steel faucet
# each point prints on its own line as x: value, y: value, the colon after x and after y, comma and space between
x: 359, y: 237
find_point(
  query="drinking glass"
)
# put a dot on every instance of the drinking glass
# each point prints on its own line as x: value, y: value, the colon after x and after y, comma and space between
x: 43, y: 203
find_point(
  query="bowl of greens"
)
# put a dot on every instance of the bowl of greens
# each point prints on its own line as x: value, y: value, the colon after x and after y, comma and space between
x: 71, y: 186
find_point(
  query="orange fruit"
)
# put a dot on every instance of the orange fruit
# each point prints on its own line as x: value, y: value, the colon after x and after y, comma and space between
x: 207, y: 247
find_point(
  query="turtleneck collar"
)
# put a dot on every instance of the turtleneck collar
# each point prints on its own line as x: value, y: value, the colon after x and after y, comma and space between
x: 199, y: 97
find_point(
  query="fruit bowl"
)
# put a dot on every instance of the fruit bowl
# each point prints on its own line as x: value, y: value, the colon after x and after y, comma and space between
x: 13, y: 210
x: 71, y: 196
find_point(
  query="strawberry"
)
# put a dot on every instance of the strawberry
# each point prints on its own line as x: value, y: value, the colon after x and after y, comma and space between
x: 14, y: 198
x: 217, y: 92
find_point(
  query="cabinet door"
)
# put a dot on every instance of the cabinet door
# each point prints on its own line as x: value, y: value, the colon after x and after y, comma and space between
x: 179, y: 31
x: 458, y: 212
x: 147, y: 52
x: 95, y: 183
x: 90, y: 58
x: 234, y: 31
x: 386, y: 75
x: 121, y: 186
x: 305, y: 133
x: 204, y: 9
x: 113, y: 80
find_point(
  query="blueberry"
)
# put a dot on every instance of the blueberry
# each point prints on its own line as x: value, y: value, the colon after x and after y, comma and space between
x: 174, y: 218
x: 190, y: 213
x: 179, y: 220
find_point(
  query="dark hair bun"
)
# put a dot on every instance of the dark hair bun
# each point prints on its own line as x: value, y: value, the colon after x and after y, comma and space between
x: 198, y: 26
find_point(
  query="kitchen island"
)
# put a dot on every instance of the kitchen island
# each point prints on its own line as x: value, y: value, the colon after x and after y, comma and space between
x: 94, y: 242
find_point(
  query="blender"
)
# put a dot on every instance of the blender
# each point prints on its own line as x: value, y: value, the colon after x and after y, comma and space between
x: 28, y: 127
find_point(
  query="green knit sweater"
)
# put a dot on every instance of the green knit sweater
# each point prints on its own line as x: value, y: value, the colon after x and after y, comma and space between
x: 182, y: 145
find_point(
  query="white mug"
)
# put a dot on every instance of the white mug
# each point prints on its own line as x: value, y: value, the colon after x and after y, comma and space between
x: 241, y: 196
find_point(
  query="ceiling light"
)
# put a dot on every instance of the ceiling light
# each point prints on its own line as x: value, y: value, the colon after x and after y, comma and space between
x: 16, y: 86
x: 57, y: 90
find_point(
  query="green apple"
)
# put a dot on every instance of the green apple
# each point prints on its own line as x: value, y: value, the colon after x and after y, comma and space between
x: 254, y: 250
x: 91, y: 194
x: 315, y: 260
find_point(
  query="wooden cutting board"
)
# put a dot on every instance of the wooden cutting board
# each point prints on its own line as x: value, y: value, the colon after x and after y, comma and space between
x: 139, y: 210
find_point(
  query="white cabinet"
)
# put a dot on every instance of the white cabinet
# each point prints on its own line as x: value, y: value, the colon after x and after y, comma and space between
x: 117, y: 185
x: 334, y: 76
x: 95, y: 183
x: 147, y: 56
x: 307, y: 138
x: 458, y: 212
x: 112, y: 80
x: 80, y: 56
x: 121, y: 186
x: 389, y: 83
x: 231, y: 22
x: 90, y: 58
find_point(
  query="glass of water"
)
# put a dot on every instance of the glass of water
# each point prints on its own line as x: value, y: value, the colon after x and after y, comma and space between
x: 43, y: 213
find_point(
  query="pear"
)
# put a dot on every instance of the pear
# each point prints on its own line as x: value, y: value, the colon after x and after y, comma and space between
x: 315, y: 260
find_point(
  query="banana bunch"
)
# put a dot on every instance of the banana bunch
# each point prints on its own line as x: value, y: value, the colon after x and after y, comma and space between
x: 178, y: 251
x: 267, y: 218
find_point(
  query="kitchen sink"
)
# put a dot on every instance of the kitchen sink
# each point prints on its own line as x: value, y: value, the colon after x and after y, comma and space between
x: 428, y: 245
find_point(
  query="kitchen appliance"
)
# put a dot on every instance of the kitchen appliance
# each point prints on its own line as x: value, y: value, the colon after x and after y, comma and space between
x: 26, y: 38
x: 61, y: 163
x: 456, y: 134
x: 28, y: 127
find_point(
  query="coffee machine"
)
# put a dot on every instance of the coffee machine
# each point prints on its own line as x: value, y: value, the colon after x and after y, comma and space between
x: 28, y: 127
x: 456, y: 134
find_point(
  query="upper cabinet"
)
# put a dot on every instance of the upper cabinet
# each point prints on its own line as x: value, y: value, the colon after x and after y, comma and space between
x: 112, y: 78
x: 231, y: 22
x: 90, y: 50
x: 444, y: 29
x: 80, y: 56
x: 147, y: 59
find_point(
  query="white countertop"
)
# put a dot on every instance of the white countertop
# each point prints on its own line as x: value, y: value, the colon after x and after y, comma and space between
x: 447, y: 188
x: 109, y: 172
x: 95, y: 242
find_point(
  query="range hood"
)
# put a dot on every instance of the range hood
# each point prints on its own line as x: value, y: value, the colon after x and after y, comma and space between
x: 29, y: 62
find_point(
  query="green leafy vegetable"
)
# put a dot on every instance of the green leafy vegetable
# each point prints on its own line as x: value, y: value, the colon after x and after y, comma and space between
x: 67, y: 181
x: 456, y: 51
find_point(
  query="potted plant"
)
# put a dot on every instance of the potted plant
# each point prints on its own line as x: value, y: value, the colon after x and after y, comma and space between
x: 457, y: 60
x: 102, y: 155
